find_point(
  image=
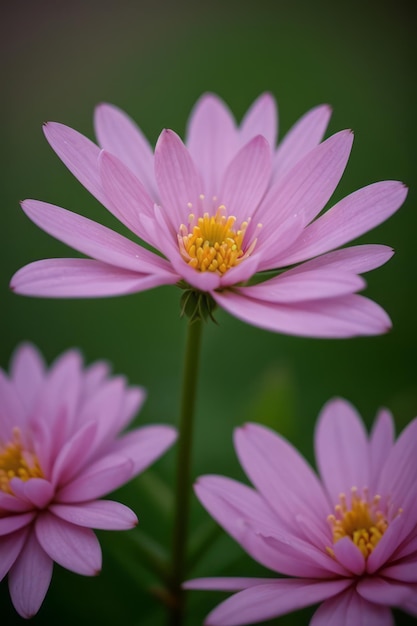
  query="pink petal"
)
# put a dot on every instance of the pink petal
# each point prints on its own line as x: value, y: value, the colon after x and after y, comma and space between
x: 92, y: 239
x: 348, y: 609
x: 43, y: 440
x: 98, y: 479
x: 306, y: 188
x: 342, y: 450
x: 152, y: 231
x: 129, y: 199
x: 408, y: 547
x: 94, y: 376
x: 388, y: 593
x: 240, y: 273
x: 347, y: 316
x: 74, y: 547
x: 118, y: 134
x: 306, y: 133
x: 242, y: 512
x: 403, y: 571
x: 67, y: 368
x: 270, y: 600
x: 37, y: 491
x: 354, y: 215
x: 82, y: 278
x: 225, y: 584
x: 211, y: 140
x: 397, y: 531
x: 11, y: 523
x: 260, y: 119
x: 178, y: 181
x: 355, y: 259
x: 280, y: 473
x: 97, y: 392
x: 246, y: 179
x: 58, y: 400
x: 79, y: 154
x: 12, y: 411
x: 202, y: 281
x: 10, y: 548
x: 313, y: 532
x: 12, y: 504
x: 74, y: 454
x: 144, y: 445
x: 29, y: 578
x: 134, y: 397
x: 300, y: 286
x: 381, y: 442
x: 104, y: 514
x: 104, y: 408
x: 301, y: 556
x: 270, y: 244
x: 399, y: 474
x: 349, y: 555
x: 27, y: 372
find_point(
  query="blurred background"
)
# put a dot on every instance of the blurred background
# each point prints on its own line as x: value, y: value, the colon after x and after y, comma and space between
x: 154, y: 59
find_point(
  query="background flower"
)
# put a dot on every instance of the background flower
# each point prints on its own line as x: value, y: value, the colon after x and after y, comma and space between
x: 348, y: 540
x: 220, y: 212
x: 60, y: 451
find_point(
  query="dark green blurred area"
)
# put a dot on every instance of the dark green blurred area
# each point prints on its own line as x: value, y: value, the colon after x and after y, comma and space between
x: 154, y: 60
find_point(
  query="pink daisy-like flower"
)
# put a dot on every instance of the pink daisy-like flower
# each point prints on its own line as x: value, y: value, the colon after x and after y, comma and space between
x: 60, y: 452
x: 348, y: 540
x: 219, y: 210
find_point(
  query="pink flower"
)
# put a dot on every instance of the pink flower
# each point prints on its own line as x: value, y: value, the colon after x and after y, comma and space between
x: 348, y: 540
x: 60, y: 452
x: 224, y: 208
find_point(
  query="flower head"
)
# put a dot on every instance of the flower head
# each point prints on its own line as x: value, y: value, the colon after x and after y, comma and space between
x: 220, y: 213
x: 347, y: 540
x: 60, y: 452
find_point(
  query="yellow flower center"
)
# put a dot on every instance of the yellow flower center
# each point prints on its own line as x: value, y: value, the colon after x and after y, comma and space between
x: 211, y: 243
x: 17, y: 462
x: 364, y: 522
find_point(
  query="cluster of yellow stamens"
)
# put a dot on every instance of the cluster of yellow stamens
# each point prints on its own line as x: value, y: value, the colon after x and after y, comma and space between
x: 17, y: 462
x: 211, y: 244
x: 363, y: 522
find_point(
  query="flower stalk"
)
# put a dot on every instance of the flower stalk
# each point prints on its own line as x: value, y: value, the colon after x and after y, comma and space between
x: 182, y: 487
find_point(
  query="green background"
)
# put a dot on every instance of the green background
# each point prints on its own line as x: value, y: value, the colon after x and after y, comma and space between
x: 154, y: 59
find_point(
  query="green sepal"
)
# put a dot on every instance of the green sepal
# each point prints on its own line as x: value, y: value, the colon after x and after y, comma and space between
x: 197, y: 305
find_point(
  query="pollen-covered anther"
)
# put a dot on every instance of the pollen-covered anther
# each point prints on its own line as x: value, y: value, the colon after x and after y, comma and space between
x: 211, y: 243
x: 16, y: 461
x: 364, y: 522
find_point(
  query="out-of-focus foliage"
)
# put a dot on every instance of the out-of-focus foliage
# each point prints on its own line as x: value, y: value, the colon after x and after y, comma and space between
x: 154, y: 60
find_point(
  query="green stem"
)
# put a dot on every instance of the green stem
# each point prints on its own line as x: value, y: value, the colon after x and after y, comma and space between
x: 183, y: 486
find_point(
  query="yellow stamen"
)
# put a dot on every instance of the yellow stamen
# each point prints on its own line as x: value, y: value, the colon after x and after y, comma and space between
x: 17, y: 462
x: 364, y: 522
x: 212, y: 244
